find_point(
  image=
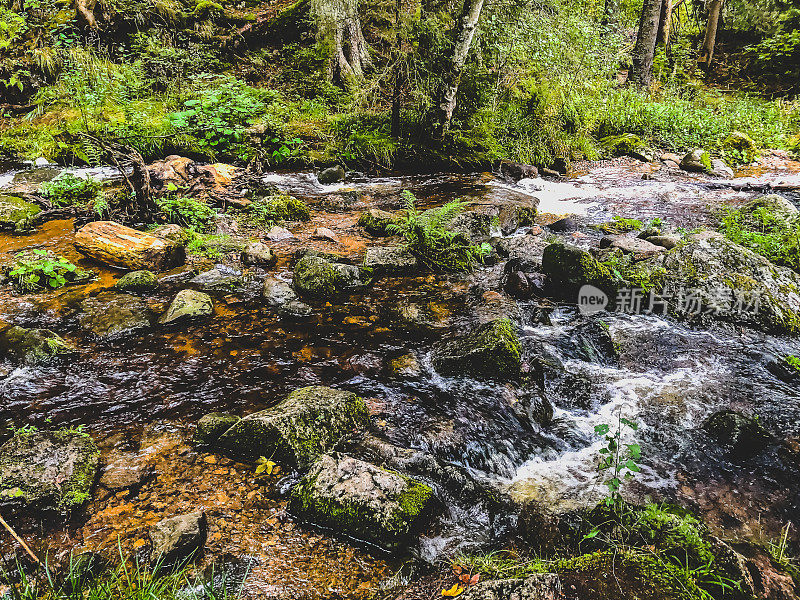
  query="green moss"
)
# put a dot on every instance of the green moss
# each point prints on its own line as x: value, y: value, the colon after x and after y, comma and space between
x: 793, y: 362
x: 492, y: 351
x: 376, y: 221
x: 572, y: 267
x: 620, y: 225
x: 16, y: 213
x: 273, y: 209
x: 705, y: 159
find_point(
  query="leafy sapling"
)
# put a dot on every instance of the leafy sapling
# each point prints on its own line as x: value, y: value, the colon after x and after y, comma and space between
x: 618, y: 461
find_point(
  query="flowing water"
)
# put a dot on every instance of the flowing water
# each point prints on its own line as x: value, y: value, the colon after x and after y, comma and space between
x: 140, y: 395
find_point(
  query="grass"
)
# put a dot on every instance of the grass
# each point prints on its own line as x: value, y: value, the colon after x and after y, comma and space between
x: 765, y: 232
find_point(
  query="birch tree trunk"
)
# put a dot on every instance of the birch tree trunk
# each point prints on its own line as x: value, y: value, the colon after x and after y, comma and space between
x: 338, y: 21
x: 707, y: 51
x: 465, y: 32
x: 644, y: 51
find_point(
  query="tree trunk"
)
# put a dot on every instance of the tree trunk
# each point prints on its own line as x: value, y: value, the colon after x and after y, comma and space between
x: 645, y: 48
x: 664, y: 26
x: 338, y: 21
x: 610, y: 12
x: 397, y: 70
x: 707, y: 52
x: 84, y: 10
x: 465, y: 31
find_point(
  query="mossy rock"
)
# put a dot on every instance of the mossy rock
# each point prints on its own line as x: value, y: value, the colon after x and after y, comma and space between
x: 33, y: 346
x: 362, y: 501
x: 626, y: 574
x: 569, y: 267
x: 627, y: 144
x: 137, y: 281
x: 211, y: 426
x: 742, y: 435
x: 280, y: 207
x: 16, y: 213
x: 186, y: 306
x: 45, y: 472
x: 307, y: 424
x: 491, y: 351
x: 376, y: 221
x: 321, y: 279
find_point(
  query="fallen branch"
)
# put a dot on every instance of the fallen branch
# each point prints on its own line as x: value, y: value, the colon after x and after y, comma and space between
x: 20, y: 541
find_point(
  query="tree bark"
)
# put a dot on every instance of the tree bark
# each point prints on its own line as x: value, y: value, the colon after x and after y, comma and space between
x: 707, y: 51
x: 644, y: 51
x: 665, y: 25
x: 396, y: 71
x: 84, y: 10
x: 338, y: 21
x: 610, y: 12
x: 465, y: 32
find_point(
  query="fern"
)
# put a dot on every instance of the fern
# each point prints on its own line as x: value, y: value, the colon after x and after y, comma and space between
x: 427, y: 236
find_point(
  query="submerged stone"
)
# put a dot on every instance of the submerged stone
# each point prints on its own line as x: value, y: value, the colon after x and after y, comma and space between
x: 307, y: 424
x: 362, y: 501
x: 44, y: 472
x: 743, y: 436
x: 491, y: 351
x: 110, y: 316
x: 187, y: 305
x: 213, y: 425
x: 33, y: 345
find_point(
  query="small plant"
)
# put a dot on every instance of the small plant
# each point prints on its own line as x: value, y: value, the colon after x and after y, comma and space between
x: 793, y: 362
x: 187, y: 212
x: 39, y: 270
x: 428, y: 238
x: 69, y: 190
x: 765, y: 232
x: 618, y: 461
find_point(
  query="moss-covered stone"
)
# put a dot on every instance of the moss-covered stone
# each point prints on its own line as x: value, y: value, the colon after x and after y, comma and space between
x: 137, y: 281
x: 742, y: 435
x: 16, y: 213
x: 47, y: 472
x: 33, y: 345
x: 279, y: 207
x: 362, y: 501
x: 211, y: 426
x: 187, y: 305
x: 111, y: 316
x: 569, y: 267
x: 376, y: 221
x: 491, y: 351
x: 307, y: 424
x: 321, y: 279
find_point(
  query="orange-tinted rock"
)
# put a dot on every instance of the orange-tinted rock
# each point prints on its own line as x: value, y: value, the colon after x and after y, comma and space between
x: 125, y: 248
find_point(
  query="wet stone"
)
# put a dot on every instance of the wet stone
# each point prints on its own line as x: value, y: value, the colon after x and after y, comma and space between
x: 390, y: 260
x: 213, y: 425
x: 112, y: 316
x: 33, y: 346
x: 137, y: 281
x: 219, y: 279
x: 178, y: 539
x: 276, y: 292
x: 258, y: 254
x: 187, y: 305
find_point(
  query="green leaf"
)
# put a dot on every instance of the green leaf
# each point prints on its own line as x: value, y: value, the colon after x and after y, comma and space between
x: 601, y: 429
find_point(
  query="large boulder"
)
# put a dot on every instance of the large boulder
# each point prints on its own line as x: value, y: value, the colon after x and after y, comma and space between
x: 125, y: 248
x: 178, y: 539
x: 385, y: 260
x: 16, y: 213
x: 32, y: 345
x: 110, y: 316
x: 307, y: 424
x: 491, y: 351
x: 318, y: 278
x: 569, y: 267
x: 187, y: 305
x: 47, y: 472
x: 362, y: 501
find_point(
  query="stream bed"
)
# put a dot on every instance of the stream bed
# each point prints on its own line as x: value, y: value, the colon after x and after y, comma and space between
x: 140, y: 396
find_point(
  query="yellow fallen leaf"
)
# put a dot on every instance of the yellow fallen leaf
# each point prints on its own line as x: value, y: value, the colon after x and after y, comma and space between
x: 454, y: 591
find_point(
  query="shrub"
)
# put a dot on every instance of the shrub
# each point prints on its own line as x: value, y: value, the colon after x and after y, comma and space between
x: 427, y: 237
x: 69, y: 190
x: 39, y: 270
x: 187, y: 212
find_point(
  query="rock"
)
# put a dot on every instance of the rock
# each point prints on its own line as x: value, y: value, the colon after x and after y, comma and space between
x: 362, y: 501
x: 258, y: 254
x: 278, y: 234
x: 125, y: 248
x: 112, y: 316
x: 510, y: 215
x: 565, y: 225
x: 307, y: 424
x: 47, y: 472
x: 41, y: 162
x: 639, y: 248
x: 743, y: 436
x: 572, y: 267
x: 137, y: 281
x: 669, y: 157
x: 626, y: 144
x: 491, y: 351
x: 211, y: 426
x: 33, y: 346
x: 220, y: 279
x: 418, y: 317
x: 16, y: 213
x: 323, y: 233
x: 383, y: 260
x: 225, y: 224
x: 697, y: 161
x: 533, y: 406
x: 318, y: 278
x: 776, y: 205
x: 724, y: 281
x: 528, y: 249
x: 295, y: 310
x: 514, y: 171
x: 473, y: 226
x: 281, y: 207
x: 494, y: 305
x: 539, y: 586
x: 720, y: 169
x: 375, y: 221
x: 177, y: 540
x: 743, y: 144
x: 126, y: 472
x: 405, y: 367
x: 187, y: 304
x: 332, y: 175
x: 277, y: 292
x: 665, y: 241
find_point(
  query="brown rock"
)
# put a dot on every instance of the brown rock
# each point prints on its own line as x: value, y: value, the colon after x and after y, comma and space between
x: 641, y: 249
x: 323, y: 233
x: 125, y: 248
